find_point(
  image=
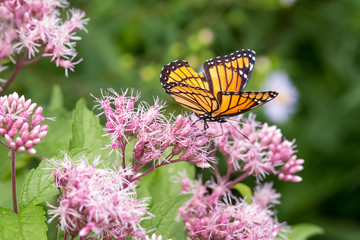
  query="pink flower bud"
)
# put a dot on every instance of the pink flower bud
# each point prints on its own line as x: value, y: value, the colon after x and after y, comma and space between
x: 27, y: 104
x: 13, y: 146
x: 34, y: 132
x: 31, y: 107
x: 28, y: 144
x: 24, y: 136
x: 38, y: 111
x: 36, y: 141
x: 12, y: 132
x: 296, y: 179
x: 18, y: 123
x: 2, y: 131
x: 31, y: 151
x: 19, y: 142
x: 44, y: 128
x: 21, y: 149
x: 24, y: 128
x: 37, y: 119
x: 8, y: 139
x: 42, y: 134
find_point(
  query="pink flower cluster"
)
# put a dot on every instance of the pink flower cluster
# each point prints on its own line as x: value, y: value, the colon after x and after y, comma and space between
x: 158, y: 139
x: 97, y: 202
x: 19, y: 124
x: 215, y: 216
x: 30, y: 25
x: 264, y: 152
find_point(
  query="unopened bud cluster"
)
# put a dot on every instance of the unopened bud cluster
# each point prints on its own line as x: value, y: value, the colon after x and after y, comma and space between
x: 20, y: 123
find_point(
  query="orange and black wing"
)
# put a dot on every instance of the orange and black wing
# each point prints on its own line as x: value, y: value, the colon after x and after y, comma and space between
x: 230, y: 73
x: 235, y: 103
x: 189, y: 88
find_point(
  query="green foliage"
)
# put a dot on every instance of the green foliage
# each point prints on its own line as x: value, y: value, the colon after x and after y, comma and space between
x: 29, y: 224
x: 38, y: 186
x: 160, y: 184
x: 87, y: 135
x: 304, y: 231
x: 244, y: 190
x: 84, y: 128
x: 58, y: 135
x: 165, y: 213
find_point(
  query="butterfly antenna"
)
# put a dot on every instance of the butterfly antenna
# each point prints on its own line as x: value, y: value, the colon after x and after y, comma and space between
x: 206, y: 126
x: 238, y: 130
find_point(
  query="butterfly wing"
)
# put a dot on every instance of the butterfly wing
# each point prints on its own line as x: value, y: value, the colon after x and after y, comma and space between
x: 230, y: 73
x: 189, y: 88
x: 235, y: 103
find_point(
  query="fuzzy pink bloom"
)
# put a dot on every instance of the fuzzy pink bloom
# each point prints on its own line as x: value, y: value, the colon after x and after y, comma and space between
x: 209, y: 219
x: 265, y: 151
x: 20, y: 123
x: 31, y: 26
x: 265, y: 196
x: 158, y: 138
x: 97, y: 201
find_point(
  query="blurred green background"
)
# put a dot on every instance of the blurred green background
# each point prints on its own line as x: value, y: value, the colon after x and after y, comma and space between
x: 317, y: 43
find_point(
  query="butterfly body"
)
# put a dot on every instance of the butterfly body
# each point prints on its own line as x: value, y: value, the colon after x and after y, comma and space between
x: 218, y: 92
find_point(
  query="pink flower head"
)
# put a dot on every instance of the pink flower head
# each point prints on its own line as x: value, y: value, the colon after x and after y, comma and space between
x: 97, y: 201
x: 265, y: 196
x: 282, y: 153
x: 158, y: 138
x: 209, y: 219
x: 20, y: 123
x: 32, y: 25
x: 263, y: 152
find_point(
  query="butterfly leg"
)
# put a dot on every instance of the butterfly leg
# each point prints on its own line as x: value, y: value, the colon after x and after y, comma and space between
x: 206, y: 126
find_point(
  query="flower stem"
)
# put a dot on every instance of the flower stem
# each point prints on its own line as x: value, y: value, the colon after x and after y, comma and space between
x: 217, y: 173
x: 37, y: 58
x: 8, y: 147
x: 229, y: 185
x: 155, y: 167
x: 13, y: 180
x: 19, y: 65
x: 123, y: 148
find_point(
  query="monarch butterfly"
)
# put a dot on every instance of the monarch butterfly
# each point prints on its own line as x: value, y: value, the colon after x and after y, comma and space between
x: 218, y: 92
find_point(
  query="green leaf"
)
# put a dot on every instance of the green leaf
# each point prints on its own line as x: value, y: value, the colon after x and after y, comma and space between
x: 165, y: 214
x: 178, y: 231
x: 160, y: 186
x: 38, y: 186
x: 304, y: 231
x: 85, y: 128
x: 87, y: 134
x: 244, y: 190
x: 27, y: 225
x: 59, y: 130
x: 6, y: 188
x: 57, y: 100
